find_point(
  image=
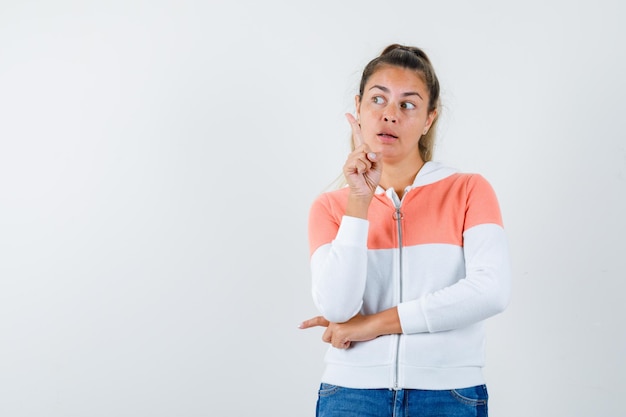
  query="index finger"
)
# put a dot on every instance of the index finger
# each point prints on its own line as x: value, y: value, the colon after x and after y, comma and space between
x: 357, y: 139
x: 313, y: 322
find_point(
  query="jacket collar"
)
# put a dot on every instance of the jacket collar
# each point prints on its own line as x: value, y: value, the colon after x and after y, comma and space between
x: 430, y: 173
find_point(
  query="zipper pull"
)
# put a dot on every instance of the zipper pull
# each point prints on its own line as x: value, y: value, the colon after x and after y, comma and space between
x: 397, y: 215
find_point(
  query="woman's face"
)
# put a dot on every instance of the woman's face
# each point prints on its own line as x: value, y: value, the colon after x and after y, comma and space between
x: 393, y: 112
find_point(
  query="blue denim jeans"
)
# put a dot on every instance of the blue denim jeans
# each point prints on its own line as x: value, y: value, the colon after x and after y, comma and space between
x: 335, y: 401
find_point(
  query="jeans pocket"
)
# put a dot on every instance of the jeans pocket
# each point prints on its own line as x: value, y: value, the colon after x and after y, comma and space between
x: 474, y: 396
x: 327, y: 389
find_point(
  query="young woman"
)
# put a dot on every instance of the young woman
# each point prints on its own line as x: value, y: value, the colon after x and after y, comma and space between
x: 407, y: 260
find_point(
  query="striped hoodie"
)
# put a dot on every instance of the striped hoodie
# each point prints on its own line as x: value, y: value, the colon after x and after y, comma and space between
x: 440, y: 255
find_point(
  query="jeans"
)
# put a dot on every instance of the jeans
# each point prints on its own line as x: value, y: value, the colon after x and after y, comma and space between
x: 335, y: 401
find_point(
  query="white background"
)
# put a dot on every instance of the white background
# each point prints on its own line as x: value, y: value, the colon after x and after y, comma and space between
x: 157, y: 163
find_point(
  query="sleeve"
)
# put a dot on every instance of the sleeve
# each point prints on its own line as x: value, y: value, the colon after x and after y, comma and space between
x: 338, y: 247
x: 485, y: 289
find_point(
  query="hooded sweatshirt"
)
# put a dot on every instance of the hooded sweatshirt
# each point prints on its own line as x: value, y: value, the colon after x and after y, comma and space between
x: 440, y: 255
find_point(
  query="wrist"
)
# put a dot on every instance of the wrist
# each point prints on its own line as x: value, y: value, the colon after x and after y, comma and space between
x: 386, y: 322
x: 358, y: 206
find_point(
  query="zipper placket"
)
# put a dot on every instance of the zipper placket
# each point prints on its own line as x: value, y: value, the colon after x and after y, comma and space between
x: 397, y: 215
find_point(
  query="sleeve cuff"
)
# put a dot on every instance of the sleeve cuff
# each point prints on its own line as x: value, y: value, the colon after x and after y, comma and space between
x: 412, y: 319
x: 352, y: 231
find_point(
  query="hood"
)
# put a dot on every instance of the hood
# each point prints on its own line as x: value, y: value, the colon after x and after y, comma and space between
x: 430, y: 173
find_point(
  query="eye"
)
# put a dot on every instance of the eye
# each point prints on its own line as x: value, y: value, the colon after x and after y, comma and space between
x: 407, y: 105
x: 378, y: 100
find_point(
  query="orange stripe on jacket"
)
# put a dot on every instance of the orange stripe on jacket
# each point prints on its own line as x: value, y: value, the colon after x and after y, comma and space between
x: 434, y: 213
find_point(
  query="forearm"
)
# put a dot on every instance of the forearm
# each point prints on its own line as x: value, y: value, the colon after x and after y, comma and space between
x: 482, y: 293
x: 358, y: 206
x: 385, y: 322
x: 359, y: 328
x: 339, y: 271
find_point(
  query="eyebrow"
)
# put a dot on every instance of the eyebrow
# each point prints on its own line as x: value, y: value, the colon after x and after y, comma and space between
x: 386, y: 90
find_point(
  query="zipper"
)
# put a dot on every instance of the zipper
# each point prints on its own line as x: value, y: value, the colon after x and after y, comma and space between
x: 397, y: 215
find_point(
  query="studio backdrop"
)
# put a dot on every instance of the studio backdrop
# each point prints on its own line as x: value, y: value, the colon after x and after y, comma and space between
x: 158, y: 160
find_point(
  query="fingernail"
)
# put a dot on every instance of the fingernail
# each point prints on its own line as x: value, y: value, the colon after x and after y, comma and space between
x: 371, y: 155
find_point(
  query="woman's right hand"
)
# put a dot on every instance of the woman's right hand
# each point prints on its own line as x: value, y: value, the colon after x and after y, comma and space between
x: 362, y: 170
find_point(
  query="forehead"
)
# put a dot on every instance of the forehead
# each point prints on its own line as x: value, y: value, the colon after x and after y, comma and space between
x: 397, y: 79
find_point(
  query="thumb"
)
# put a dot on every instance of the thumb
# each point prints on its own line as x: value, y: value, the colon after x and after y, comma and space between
x: 377, y: 160
x: 375, y: 156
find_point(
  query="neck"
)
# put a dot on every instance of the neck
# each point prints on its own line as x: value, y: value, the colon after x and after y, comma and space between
x: 399, y: 176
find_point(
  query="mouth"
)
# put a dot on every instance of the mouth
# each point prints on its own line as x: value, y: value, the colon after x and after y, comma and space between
x: 386, y: 137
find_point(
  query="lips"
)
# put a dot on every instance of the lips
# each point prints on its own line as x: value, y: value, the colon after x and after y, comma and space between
x: 386, y: 137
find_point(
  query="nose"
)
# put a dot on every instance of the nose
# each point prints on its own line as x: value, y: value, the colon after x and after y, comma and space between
x: 389, y: 116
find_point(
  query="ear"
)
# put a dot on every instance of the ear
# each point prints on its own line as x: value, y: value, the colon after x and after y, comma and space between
x: 357, y: 106
x: 430, y: 119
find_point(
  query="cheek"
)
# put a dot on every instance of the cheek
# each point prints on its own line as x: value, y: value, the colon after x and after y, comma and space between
x: 367, y: 113
x: 368, y: 133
